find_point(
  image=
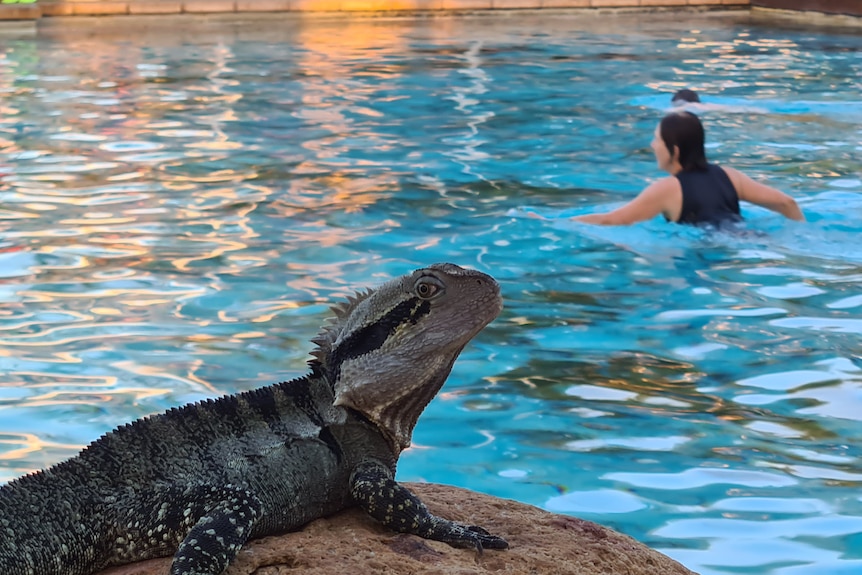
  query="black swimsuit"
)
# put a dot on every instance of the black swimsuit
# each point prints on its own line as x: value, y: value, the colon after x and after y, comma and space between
x: 708, y: 197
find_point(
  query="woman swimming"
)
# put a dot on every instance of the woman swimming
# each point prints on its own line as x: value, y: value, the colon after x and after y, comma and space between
x: 696, y: 192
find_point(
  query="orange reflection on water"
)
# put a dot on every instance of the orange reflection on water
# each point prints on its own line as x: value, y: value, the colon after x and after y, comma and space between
x: 53, y: 380
x: 29, y: 444
x: 190, y: 380
x: 334, y: 93
x: 225, y: 246
x: 27, y: 322
x: 69, y: 334
x: 66, y: 397
x: 341, y: 191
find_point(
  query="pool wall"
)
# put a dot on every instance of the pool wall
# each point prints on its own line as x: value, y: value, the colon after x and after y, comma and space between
x: 33, y: 10
x: 844, y: 7
x: 120, y: 7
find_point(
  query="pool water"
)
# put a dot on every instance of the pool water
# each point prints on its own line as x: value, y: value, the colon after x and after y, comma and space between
x: 181, y: 200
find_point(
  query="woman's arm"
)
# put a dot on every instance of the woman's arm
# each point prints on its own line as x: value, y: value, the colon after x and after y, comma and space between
x: 764, y: 196
x: 661, y: 197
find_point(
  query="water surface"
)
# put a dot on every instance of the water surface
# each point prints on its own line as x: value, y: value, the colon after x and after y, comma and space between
x: 181, y: 200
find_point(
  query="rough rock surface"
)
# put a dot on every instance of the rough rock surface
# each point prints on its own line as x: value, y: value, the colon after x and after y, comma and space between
x: 351, y: 542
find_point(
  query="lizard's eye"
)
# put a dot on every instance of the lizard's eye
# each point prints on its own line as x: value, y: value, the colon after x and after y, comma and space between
x: 427, y: 288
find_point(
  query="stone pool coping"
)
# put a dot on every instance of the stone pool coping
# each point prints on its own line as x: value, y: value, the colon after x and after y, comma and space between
x: 44, y: 8
x: 34, y: 10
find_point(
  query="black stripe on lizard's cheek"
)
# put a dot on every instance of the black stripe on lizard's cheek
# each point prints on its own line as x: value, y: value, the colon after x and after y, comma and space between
x: 373, y: 336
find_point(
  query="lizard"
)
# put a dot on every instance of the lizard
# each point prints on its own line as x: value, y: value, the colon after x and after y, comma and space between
x: 197, y: 482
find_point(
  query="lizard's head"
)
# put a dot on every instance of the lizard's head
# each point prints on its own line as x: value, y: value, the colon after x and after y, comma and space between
x: 389, y: 350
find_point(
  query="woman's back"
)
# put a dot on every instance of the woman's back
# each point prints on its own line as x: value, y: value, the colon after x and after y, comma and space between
x: 708, y: 197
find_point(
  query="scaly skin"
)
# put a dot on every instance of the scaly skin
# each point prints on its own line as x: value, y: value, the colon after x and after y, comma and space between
x: 197, y: 482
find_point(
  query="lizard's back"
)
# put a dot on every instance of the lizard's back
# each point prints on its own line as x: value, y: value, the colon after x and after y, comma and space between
x: 134, y: 493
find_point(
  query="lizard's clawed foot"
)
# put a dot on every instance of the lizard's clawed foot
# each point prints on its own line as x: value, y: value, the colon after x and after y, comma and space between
x: 485, y: 540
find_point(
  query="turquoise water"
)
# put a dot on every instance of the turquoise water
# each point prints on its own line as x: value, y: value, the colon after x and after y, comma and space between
x: 180, y: 200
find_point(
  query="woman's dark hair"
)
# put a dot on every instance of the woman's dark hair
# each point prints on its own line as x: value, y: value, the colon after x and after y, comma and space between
x: 684, y: 130
x: 685, y: 95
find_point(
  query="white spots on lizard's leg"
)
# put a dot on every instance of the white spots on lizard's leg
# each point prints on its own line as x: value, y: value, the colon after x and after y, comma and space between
x: 218, y: 534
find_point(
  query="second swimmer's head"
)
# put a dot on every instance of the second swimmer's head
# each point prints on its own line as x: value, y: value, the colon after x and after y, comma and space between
x: 685, y: 96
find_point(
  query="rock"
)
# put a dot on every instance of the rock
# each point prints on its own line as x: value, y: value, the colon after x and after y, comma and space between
x: 351, y: 542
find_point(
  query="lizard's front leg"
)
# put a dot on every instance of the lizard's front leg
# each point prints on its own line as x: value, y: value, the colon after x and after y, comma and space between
x: 375, y: 490
x: 219, y: 533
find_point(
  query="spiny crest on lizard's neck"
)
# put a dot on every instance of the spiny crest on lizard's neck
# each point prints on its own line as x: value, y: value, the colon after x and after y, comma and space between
x: 388, y: 350
x: 334, y: 325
